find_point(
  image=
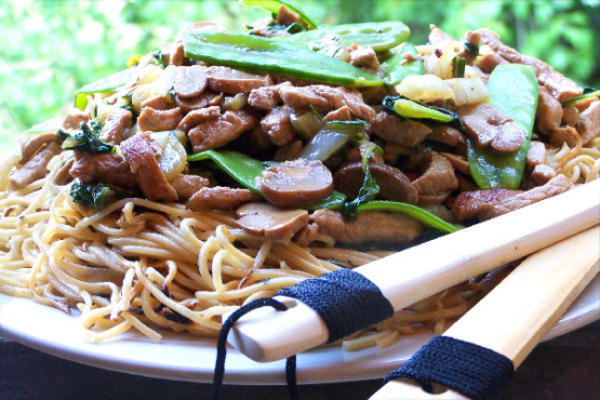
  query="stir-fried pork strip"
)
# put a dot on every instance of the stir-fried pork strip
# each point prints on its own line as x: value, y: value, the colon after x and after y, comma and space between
x: 159, y: 120
x: 219, y: 198
x: 267, y: 97
x: 219, y: 131
x: 187, y: 185
x: 542, y: 173
x: 109, y: 168
x: 391, y: 228
x: 437, y: 181
x: 116, y: 126
x: 588, y: 125
x: 557, y: 84
x: 74, y: 119
x: 142, y: 152
x: 364, y: 57
x: 490, y: 203
x: 32, y: 144
x: 536, y: 154
x: 341, y: 114
x: 404, y: 132
x: 206, y: 99
x: 35, y: 168
x: 489, y: 126
x: 195, y: 117
x: 278, y: 126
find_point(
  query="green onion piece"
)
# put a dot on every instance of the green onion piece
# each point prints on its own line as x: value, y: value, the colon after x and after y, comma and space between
x: 471, y: 48
x: 421, y: 215
x: 585, y: 96
x: 458, y: 67
x: 410, y: 109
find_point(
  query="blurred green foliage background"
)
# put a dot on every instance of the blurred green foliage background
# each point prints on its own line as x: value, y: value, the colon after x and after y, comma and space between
x: 50, y: 48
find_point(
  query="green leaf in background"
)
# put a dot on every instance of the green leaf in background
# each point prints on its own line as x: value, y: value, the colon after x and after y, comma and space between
x: 514, y: 90
x: 273, y: 7
x: 378, y: 35
x: 264, y: 55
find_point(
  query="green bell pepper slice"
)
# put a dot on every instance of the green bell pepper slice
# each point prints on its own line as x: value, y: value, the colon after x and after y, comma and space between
x: 274, y: 5
x: 395, y: 67
x: 380, y: 36
x: 264, y: 55
x: 418, y: 213
x: 513, y: 89
x: 107, y: 84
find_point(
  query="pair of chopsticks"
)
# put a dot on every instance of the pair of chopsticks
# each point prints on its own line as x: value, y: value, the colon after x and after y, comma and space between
x: 517, y: 313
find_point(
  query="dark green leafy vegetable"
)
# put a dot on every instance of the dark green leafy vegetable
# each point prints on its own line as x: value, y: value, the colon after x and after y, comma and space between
x: 471, y: 48
x: 421, y: 215
x: 160, y: 58
x: 264, y: 55
x: 243, y: 169
x: 585, y: 96
x: 334, y: 136
x: 95, y: 195
x: 458, y: 67
x: 334, y: 201
x: 107, y: 84
x: 518, y: 100
x: 397, y: 68
x: 369, y: 188
x: 44, y: 127
x: 380, y: 36
x: 406, y: 108
x: 274, y: 5
x: 87, y: 140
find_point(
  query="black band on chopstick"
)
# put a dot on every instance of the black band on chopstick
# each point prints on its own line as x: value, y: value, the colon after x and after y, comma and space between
x: 472, y: 370
x: 345, y: 300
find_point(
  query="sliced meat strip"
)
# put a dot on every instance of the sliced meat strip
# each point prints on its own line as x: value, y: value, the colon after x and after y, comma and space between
x: 35, y: 168
x: 116, y: 126
x: 549, y: 112
x: 326, y: 98
x: 219, y: 131
x: 438, y: 180
x: 206, y: 99
x: 565, y: 134
x: 370, y: 226
x: 542, y: 173
x: 447, y: 135
x: 459, y: 162
x: 31, y: 144
x: 489, y: 126
x: 173, y: 53
x: 536, y: 154
x: 159, y: 120
x: 393, y: 183
x: 285, y: 16
x: 219, y: 198
x: 341, y: 114
x: 276, y: 224
x: 295, y: 183
x: 233, y: 81
x: 195, y: 117
x: 559, y: 86
x: 364, y: 57
x: 488, y: 62
x: 307, y: 235
x: 278, y: 126
x: 186, y: 185
x: 189, y: 81
x: 588, y: 125
x: 74, y: 119
x: 109, y: 168
x: 404, y: 132
x: 266, y: 97
x: 142, y: 152
x: 570, y: 115
x: 490, y: 203
x: 62, y: 176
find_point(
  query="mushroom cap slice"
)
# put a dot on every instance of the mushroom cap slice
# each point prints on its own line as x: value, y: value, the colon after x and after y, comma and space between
x: 276, y: 224
x: 293, y: 183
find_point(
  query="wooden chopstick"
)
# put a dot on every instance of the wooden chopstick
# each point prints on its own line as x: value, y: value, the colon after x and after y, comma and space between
x: 421, y: 271
x: 516, y: 314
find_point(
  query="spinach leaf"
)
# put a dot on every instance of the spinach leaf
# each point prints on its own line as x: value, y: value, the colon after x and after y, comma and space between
x: 87, y: 140
x: 95, y: 195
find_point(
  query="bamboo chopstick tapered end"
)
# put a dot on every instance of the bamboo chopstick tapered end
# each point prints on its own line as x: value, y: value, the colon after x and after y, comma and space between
x: 401, y: 390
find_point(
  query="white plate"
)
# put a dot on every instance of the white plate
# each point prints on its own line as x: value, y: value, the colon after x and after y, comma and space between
x: 183, y: 357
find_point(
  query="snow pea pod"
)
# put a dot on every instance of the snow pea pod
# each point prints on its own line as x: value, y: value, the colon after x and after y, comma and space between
x: 109, y: 83
x: 418, y: 213
x: 264, y: 55
x: 397, y: 69
x: 273, y: 7
x: 380, y: 36
x: 513, y: 89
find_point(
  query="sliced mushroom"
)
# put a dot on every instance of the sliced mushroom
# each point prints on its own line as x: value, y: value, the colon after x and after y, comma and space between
x: 297, y: 182
x: 394, y: 184
x: 190, y: 81
x: 273, y: 223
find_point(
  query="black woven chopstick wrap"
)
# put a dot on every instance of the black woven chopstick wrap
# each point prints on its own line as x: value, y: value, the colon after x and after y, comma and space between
x: 472, y: 370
